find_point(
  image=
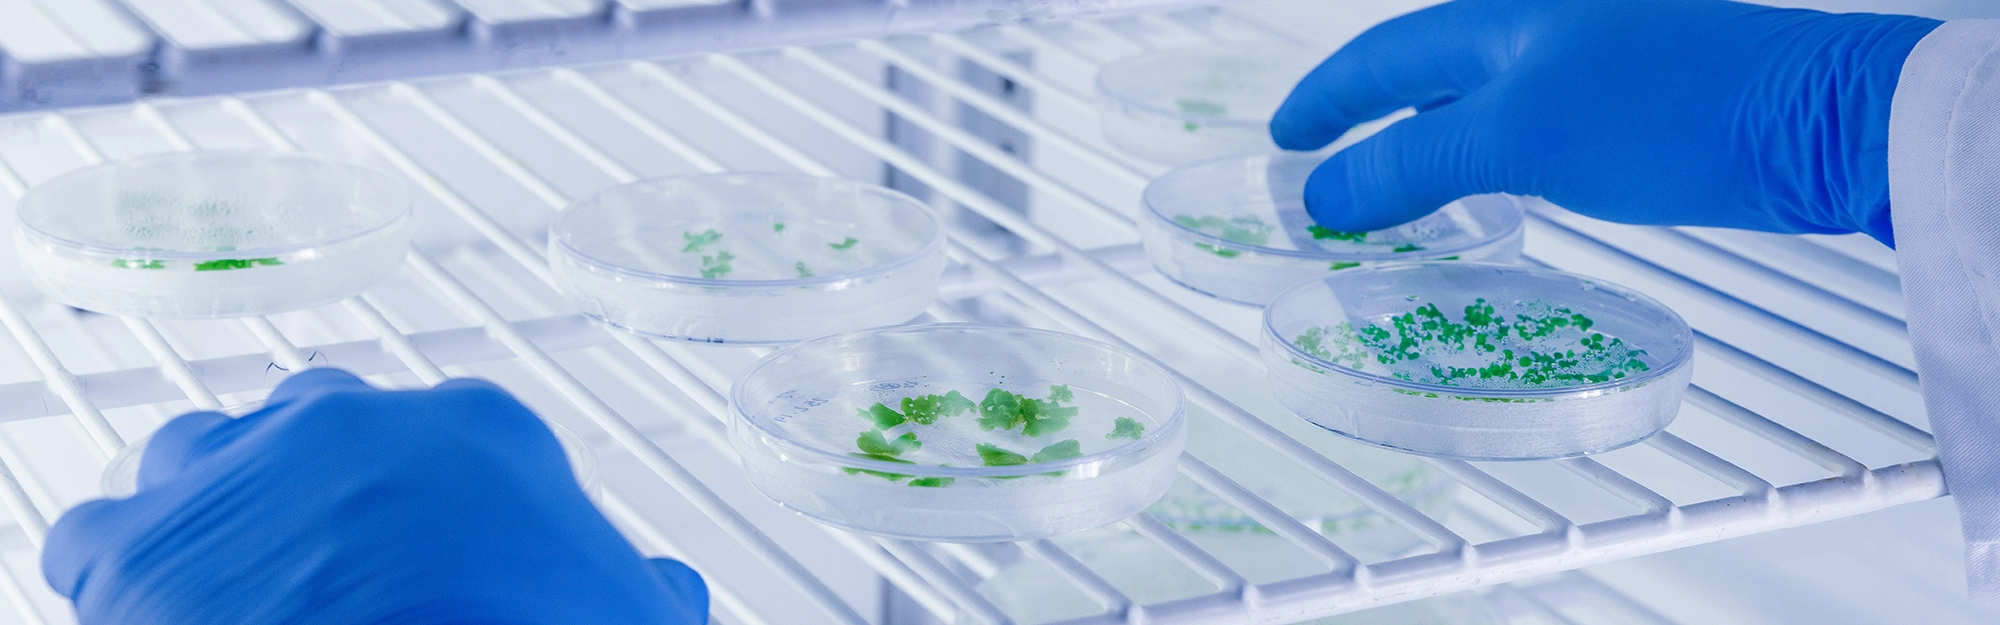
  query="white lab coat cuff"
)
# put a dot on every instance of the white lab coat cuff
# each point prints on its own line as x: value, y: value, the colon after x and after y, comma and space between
x: 1944, y: 125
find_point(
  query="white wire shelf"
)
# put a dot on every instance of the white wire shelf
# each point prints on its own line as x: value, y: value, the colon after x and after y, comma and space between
x: 56, y: 53
x: 1804, y: 407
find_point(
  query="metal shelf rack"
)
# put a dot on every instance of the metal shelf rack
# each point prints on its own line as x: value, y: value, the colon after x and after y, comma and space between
x: 1804, y: 409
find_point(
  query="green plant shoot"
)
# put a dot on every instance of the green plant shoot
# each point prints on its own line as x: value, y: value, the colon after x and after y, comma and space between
x: 700, y: 242
x: 1126, y: 427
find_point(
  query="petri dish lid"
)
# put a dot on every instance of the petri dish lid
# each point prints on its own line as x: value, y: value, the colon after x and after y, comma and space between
x: 1258, y: 203
x: 780, y: 230
x: 213, y: 204
x: 1209, y: 84
x: 1373, y: 295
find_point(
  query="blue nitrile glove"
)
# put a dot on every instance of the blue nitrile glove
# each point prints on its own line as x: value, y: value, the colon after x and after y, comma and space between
x: 341, y: 504
x: 1687, y: 112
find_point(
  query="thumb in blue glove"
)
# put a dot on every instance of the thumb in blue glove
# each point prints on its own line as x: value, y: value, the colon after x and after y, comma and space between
x: 339, y: 503
x: 1685, y: 112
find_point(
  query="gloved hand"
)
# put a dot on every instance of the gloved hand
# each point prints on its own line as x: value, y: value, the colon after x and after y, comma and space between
x: 1688, y: 112
x: 339, y: 503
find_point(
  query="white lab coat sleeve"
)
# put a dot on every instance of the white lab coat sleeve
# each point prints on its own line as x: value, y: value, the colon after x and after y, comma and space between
x: 1944, y: 197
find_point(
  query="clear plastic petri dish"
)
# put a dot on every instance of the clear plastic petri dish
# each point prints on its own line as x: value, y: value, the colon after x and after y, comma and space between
x: 120, y: 478
x: 959, y: 432
x: 1236, y: 228
x: 1186, y: 104
x: 1477, y: 361
x: 748, y: 258
x: 213, y: 234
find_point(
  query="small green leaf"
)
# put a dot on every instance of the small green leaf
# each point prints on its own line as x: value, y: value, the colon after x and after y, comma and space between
x: 1046, y: 418
x: 1408, y: 247
x: 803, y: 271
x: 923, y: 409
x: 778, y: 227
x: 843, y: 244
x: 1000, y: 410
x: 1339, y: 265
x: 932, y: 482
x: 883, y: 416
x: 876, y: 446
x: 1126, y: 427
x: 1060, y: 393
x: 1060, y: 451
x: 893, y: 477
x: 1219, y: 250
x: 993, y: 456
x: 716, y: 266
x: 233, y: 263
x: 955, y: 404
x: 1319, y: 232
x: 700, y: 242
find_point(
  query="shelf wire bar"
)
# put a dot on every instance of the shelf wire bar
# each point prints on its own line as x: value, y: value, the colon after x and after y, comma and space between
x: 1006, y: 113
x: 24, y: 605
x: 1702, y: 460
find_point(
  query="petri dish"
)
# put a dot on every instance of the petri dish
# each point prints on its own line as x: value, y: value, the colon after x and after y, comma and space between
x: 120, y: 478
x: 748, y: 258
x: 959, y: 432
x: 1477, y: 361
x: 1236, y: 228
x: 1186, y: 104
x: 213, y: 234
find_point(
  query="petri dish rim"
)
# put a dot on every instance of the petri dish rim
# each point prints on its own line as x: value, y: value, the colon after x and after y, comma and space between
x: 1127, y: 101
x: 1683, y: 350
x: 1154, y: 435
x: 932, y: 246
x: 397, y: 218
x: 1516, y: 218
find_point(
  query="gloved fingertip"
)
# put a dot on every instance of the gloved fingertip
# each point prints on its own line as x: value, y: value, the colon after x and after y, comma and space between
x: 175, y: 445
x: 682, y: 580
x: 73, y: 543
x: 1329, y: 197
x: 1299, y: 131
x: 467, y: 384
x: 313, y: 381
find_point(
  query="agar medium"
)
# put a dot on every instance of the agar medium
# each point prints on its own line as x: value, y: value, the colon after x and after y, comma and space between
x: 1475, y: 361
x: 213, y: 234
x: 748, y: 258
x: 959, y: 432
x: 1236, y: 228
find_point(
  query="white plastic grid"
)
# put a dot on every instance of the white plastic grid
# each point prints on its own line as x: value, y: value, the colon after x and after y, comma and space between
x: 1765, y: 443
